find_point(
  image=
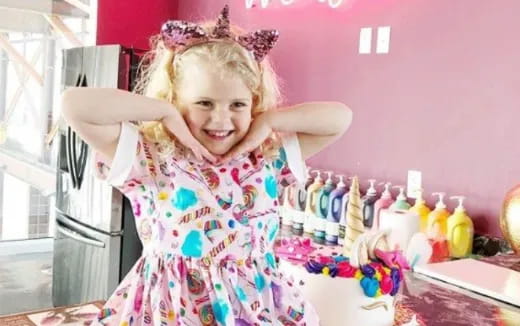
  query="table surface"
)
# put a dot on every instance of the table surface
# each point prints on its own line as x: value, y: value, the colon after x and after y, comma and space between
x: 433, y: 302
x: 436, y: 303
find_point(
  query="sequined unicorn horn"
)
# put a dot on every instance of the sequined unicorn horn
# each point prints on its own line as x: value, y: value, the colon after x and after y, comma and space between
x: 355, y: 225
x: 180, y: 35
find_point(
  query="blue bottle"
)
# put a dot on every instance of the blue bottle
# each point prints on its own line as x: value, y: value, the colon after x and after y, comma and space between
x: 334, y: 212
x: 322, y: 209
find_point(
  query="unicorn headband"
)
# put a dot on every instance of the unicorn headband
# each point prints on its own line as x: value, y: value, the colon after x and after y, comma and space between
x: 180, y: 35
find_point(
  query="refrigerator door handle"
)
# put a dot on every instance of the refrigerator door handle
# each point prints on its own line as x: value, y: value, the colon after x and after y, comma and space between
x: 77, y: 236
x: 70, y: 158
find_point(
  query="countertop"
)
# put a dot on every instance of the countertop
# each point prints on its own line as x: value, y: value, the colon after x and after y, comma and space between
x: 433, y: 303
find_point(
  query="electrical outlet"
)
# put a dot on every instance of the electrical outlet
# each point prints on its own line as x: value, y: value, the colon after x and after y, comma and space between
x: 414, y: 183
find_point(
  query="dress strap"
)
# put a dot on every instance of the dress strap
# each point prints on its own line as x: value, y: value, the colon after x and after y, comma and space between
x: 125, y: 154
x: 293, y: 152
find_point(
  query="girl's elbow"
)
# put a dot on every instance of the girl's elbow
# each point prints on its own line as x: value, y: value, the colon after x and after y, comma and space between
x: 346, y: 116
x: 69, y: 103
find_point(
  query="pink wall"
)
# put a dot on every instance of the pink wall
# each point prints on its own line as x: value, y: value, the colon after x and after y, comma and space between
x: 131, y: 22
x: 444, y: 101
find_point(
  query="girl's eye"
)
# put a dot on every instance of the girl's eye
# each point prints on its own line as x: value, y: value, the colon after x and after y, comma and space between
x: 238, y: 106
x: 207, y: 104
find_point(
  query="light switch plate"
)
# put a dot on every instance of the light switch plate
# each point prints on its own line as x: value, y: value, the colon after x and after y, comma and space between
x: 414, y: 183
x: 383, y: 39
x: 365, y: 40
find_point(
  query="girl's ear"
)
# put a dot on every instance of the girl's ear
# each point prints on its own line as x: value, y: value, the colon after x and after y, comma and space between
x: 254, y: 107
x: 256, y: 100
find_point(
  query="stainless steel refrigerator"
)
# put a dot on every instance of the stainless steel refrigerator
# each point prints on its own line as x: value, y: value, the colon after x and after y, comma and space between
x: 96, y: 242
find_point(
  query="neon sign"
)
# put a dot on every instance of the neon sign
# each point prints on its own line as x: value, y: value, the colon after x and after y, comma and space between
x: 266, y: 3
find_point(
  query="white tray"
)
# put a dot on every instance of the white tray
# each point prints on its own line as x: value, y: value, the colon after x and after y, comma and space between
x: 490, y: 280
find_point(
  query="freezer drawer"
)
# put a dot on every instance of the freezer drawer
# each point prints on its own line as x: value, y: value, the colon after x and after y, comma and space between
x: 86, y: 263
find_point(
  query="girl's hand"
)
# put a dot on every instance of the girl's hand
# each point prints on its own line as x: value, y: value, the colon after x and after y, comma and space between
x: 174, y: 123
x: 259, y: 131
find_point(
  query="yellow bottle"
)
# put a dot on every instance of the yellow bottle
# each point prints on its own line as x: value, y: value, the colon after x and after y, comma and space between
x: 460, y: 231
x: 423, y: 210
x: 437, y: 219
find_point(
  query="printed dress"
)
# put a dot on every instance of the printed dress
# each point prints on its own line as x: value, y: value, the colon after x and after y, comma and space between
x: 207, y: 234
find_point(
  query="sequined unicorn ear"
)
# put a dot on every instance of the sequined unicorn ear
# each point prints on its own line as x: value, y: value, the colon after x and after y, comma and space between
x: 222, y: 28
x: 179, y: 35
x: 259, y: 42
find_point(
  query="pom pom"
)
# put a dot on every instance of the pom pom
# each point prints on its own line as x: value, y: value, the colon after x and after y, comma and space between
x: 386, y: 285
x: 370, y: 286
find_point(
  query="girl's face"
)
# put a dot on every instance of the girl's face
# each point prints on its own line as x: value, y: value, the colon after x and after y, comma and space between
x: 216, y: 107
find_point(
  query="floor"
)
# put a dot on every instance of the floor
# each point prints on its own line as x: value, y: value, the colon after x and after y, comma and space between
x: 25, y: 282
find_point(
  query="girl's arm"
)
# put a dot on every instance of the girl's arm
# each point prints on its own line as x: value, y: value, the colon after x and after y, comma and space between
x: 317, y: 124
x: 96, y: 115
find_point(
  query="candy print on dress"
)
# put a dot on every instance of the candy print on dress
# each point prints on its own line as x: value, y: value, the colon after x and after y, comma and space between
x: 294, y: 314
x: 145, y: 231
x: 220, y: 309
x: 264, y: 316
x: 163, y: 167
x: 211, y: 178
x: 196, y: 283
x: 259, y: 282
x: 191, y: 216
x: 138, y: 300
x: 271, y: 186
x: 184, y: 199
x: 272, y: 229
x: 270, y: 260
x: 104, y: 313
x: 221, y: 246
x: 225, y: 204
x: 277, y: 295
x: 241, y: 295
x: 250, y: 195
x: 206, y: 316
x: 201, y: 300
x: 234, y: 175
x: 137, y: 208
x: 212, y: 228
x: 192, y: 245
x: 149, y: 159
x: 285, y: 321
x: 241, y: 322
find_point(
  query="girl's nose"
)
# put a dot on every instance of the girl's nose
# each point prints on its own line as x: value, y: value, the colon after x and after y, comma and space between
x: 220, y: 114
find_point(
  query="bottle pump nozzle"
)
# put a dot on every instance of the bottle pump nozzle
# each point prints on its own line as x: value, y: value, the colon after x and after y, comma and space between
x: 440, y: 204
x: 329, y: 178
x: 341, y: 183
x: 318, y: 176
x: 386, y: 192
x: 420, y: 198
x: 372, y: 189
x: 401, y: 195
x: 459, y: 208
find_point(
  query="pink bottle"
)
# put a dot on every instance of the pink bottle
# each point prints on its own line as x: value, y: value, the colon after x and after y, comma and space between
x: 384, y: 202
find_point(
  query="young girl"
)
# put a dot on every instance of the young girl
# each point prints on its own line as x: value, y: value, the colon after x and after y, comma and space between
x: 201, y: 170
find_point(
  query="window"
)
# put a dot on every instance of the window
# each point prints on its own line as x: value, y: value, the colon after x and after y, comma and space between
x: 32, y: 37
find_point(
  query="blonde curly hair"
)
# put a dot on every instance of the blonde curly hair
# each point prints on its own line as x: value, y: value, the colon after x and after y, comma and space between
x: 161, y: 69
